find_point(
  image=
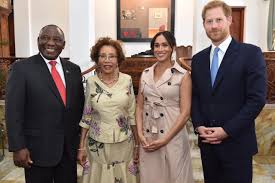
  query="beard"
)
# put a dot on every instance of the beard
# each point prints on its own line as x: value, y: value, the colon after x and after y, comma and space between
x: 217, y: 35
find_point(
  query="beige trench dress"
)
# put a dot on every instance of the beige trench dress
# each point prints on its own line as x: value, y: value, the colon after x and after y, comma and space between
x: 171, y: 163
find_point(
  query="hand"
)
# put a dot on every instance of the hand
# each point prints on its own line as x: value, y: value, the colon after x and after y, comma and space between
x: 202, y: 130
x: 82, y: 157
x: 21, y: 158
x: 136, y: 154
x: 215, y: 137
x: 142, y: 140
x: 155, y: 145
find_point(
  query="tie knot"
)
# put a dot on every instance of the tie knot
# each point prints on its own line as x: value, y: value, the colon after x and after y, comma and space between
x: 52, y: 63
x: 216, y: 50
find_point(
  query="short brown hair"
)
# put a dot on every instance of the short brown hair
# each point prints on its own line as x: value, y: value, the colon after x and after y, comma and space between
x: 214, y: 4
x: 107, y: 41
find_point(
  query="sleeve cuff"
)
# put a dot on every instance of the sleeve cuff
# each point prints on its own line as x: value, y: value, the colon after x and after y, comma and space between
x: 84, y: 125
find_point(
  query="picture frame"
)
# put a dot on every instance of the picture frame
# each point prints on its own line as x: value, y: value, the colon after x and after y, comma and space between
x: 5, y: 4
x: 139, y: 21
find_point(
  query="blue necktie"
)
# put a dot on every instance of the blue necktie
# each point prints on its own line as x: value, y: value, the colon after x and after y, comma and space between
x: 215, y: 65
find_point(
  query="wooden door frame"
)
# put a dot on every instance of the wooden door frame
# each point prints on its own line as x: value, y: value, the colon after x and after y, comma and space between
x: 241, y: 9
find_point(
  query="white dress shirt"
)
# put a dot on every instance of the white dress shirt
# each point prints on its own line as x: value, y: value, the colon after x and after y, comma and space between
x: 58, y: 67
x: 223, y: 47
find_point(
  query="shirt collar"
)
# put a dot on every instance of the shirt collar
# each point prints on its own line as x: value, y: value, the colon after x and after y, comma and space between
x: 58, y: 61
x: 178, y: 67
x: 224, y: 45
x: 174, y: 66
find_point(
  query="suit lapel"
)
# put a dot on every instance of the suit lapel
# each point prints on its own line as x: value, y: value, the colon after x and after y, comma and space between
x: 226, y: 62
x: 47, y: 77
x: 68, y: 79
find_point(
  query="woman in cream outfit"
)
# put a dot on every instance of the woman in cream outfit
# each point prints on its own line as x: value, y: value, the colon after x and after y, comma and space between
x: 109, y: 115
x: 163, y: 108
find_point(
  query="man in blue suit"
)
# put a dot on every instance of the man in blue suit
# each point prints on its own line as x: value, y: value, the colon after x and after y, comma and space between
x: 229, y: 90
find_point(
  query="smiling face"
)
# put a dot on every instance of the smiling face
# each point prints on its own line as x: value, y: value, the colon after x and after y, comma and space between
x: 51, y: 42
x: 107, y: 59
x: 162, y: 49
x: 217, y: 25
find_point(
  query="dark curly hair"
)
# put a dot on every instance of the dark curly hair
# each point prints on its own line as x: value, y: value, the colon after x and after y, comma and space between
x: 107, y: 41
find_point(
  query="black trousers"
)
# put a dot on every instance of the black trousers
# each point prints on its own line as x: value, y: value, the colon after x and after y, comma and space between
x: 221, y: 167
x: 64, y: 172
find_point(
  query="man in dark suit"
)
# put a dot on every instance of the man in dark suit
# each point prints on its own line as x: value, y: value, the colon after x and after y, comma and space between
x: 229, y: 90
x: 44, y: 103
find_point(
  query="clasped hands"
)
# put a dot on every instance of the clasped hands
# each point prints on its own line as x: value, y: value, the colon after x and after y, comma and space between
x: 153, y: 145
x: 212, y: 135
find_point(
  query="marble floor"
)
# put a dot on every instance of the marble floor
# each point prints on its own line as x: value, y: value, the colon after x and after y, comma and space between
x: 264, y: 169
x: 9, y: 173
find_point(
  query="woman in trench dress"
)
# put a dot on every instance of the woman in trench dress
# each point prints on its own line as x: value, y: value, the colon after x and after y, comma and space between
x: 163, y: 108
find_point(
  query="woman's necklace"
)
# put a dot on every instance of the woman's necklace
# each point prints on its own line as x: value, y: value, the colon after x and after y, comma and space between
x: 108, y: 83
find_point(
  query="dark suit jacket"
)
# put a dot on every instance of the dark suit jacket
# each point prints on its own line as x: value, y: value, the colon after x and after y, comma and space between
x: 35, y: 114
x: 237, y: 97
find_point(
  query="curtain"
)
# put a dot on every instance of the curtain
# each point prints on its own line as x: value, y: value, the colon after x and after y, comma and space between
x: 271, y: 26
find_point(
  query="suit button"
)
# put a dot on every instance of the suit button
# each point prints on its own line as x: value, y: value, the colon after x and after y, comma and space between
x: 161, y: 114
x: 146, y: 113
x: 161, y: 98
x: 169, y: 83
x: 161, y: 131
x: 147, y: 130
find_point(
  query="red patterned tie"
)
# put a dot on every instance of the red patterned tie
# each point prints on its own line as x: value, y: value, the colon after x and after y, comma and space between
x: 58, y: 81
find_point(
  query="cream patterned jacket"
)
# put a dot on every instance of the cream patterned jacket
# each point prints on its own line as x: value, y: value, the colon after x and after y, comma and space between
x: 109, y: 112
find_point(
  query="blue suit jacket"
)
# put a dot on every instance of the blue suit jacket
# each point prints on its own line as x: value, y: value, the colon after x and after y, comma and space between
x: 235, y: 100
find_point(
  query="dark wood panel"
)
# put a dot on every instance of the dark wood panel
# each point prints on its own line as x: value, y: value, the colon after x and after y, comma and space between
x: 134, y: 67
x: 11, y: 34
x: 4, y: 29
x: 5, y: 63
x: 237, y: 26
x: 270, y: 64
x: 5, y: 49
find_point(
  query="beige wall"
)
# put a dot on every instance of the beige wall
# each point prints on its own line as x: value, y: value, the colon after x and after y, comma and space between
x: 31, y: 16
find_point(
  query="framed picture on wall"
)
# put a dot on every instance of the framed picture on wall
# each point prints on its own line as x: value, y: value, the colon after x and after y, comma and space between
x: 139, y: 21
